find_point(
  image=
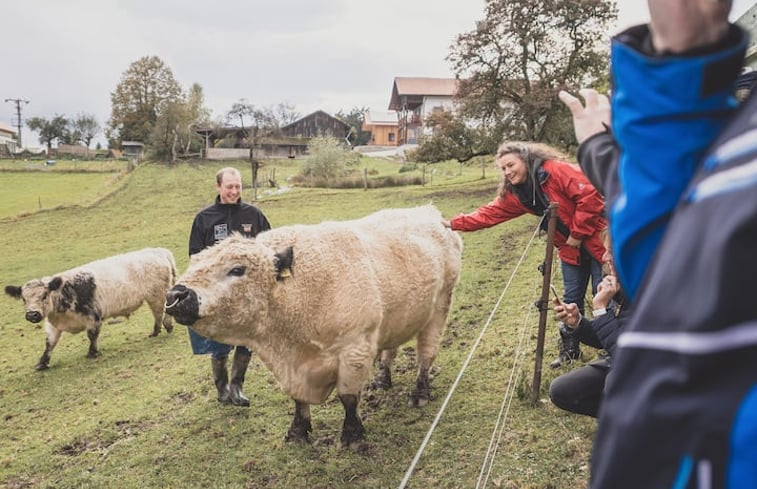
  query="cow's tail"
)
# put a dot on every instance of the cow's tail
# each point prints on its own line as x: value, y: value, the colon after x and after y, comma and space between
x: 174, y: 273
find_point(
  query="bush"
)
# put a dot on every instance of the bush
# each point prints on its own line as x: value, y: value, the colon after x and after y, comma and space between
x: 328, y: 159
x: 356, y: 181
x: 408, y: 167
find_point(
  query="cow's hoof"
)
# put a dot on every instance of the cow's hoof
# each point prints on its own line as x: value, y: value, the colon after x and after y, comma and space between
x: 169, y: 328
x: 93, y: 354
x: 153, y: 334
x: 41, y: 366
x: 294, y: 436
x: 380, y: 383
x: 417, y: 401
x: 352, y: 436
x: 299, y: 432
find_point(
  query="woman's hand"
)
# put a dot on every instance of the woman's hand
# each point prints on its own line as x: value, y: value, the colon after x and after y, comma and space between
x: 573, y: 242
x: 606, y: 290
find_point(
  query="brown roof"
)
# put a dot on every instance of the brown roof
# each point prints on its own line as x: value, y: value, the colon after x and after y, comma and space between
x: 380, y: 118
x: 6, y: 128
x: 421, y: 86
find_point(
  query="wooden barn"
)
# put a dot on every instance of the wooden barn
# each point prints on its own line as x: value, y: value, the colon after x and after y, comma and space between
x: 319, y: 123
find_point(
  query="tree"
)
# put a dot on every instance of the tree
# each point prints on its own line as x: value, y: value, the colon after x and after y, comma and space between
x: 173, y: 132
x: 355, y: 118
x: 517, y: 59
x: 273, y: 118
x: 49, y: 130
x: 145, y: 90
x: 85, y: 127
x: 454, y: 138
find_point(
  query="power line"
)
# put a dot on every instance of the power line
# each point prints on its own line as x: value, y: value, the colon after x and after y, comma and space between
x: 18, y: 102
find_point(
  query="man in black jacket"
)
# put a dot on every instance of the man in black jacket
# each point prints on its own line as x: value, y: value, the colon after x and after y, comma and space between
x: 214, y: 223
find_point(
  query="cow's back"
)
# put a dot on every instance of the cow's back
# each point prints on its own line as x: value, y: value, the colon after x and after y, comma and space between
x: 383, y: 272
x: 123, y: 282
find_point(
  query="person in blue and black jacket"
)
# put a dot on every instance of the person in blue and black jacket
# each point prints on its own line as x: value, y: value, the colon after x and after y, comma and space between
x: 680, y: 407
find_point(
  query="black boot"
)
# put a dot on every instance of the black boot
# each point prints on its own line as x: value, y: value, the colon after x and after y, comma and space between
x: 221, y: 378
x: 238, y: 369
x: 569, y: 348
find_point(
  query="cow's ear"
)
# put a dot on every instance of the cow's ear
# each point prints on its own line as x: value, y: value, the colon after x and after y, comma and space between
x: 13, y: 291
x: 55, y: 283
x: 283, y: 263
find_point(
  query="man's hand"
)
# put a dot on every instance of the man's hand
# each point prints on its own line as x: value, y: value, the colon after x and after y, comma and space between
x: 590, y: 119
x: 680, y: 25
x: 568, y: 314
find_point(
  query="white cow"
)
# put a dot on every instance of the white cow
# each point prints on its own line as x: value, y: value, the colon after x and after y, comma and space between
x: 81, y: 298
x: 317, y: 303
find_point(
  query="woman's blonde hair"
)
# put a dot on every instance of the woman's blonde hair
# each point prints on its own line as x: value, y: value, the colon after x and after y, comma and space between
x: 530, y: 153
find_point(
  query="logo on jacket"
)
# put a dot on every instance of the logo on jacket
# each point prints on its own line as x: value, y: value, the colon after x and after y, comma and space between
x: 247, y: 228
x: 220, y: 231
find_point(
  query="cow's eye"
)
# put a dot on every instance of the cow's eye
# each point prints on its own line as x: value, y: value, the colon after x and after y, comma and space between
x: 237, y: 271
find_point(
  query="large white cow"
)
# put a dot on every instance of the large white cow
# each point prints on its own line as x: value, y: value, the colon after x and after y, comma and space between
x: 317, y: 303
x: 81, y: 298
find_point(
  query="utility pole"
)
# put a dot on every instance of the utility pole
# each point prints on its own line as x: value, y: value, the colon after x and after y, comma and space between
x: 18, y: 101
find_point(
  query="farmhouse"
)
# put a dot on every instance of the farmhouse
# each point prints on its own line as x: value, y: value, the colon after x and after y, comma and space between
x: 383, y: 127
x: 8, y: 140
x: 415, y: 99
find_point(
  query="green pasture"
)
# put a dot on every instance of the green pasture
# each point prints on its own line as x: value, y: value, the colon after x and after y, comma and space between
x: 144, y: 414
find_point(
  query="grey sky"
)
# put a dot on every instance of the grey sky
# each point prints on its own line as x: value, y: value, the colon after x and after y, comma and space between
x: 67, y: 57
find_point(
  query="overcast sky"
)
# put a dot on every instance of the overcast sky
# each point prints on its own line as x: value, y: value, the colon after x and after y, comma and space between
x: 66, y: 57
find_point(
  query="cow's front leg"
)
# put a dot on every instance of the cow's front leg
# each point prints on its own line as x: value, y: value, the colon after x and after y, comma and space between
x: 93, y: 334
x: 352, y: 429
x: 52, y: 336
x: 299, y: 430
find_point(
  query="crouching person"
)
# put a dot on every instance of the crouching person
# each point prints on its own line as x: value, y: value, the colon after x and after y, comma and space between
x: 580, y: 390
x: 228, y: 214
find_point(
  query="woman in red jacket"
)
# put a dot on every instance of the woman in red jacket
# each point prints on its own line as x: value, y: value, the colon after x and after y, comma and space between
x: 533, y: 175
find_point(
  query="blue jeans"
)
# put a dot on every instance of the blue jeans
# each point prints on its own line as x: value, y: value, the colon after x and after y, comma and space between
x: 202, y: 346
x: 576, y: 278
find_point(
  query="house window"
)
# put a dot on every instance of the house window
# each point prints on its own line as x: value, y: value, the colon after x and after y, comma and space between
x: 391, y: 137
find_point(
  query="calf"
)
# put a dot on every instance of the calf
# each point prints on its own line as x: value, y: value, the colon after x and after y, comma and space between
x: 82, y: 297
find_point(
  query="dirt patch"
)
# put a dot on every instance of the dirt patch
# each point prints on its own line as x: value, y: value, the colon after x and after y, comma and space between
x: 100, y: 441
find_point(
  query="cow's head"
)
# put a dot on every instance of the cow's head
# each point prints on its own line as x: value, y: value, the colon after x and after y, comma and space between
x: 37, y: 295
x: 225, y: 292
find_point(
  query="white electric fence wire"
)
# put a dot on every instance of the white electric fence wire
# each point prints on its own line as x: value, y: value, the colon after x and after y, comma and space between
x: 431, y: 429
x: 504, y: 410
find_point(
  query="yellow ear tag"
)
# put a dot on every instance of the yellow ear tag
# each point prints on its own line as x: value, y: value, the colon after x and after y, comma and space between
x: 285, y: 273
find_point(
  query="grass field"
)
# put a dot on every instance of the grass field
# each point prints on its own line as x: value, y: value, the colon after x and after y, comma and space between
x: 144, y: 413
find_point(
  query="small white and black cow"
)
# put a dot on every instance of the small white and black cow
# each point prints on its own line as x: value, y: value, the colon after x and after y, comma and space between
x: 83, y: 297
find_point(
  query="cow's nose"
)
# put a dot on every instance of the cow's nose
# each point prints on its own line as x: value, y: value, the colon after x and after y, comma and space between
x: 33, y: 316
x: 182, y: 304
x: 174, y: 296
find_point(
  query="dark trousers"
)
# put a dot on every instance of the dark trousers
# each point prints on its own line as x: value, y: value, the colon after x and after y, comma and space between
x: 580, y: 390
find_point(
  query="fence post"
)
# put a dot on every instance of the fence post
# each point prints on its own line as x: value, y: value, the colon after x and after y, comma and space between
x: 543, y: 303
